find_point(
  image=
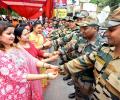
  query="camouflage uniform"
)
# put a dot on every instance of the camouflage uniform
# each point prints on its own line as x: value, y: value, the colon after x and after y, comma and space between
x: 106, y: 73
x: 107, y: 82
x: 68, y: 39
x: 85, y: 77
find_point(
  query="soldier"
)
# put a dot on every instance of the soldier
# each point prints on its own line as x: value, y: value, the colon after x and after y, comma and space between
x: 92, y: 43
x: 105, y: 63
x: 75, y: 33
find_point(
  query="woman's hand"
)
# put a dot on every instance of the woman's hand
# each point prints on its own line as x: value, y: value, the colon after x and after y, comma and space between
x: 54, y: 57
x: 47, y: 44
x: 52, y: 75
x: 56, y: 53
x: 51, y: 71
x: 54, y: 67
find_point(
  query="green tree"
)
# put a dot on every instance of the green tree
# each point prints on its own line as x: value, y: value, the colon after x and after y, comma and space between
x: 9, y: 11
x: 3, y: 11
x: 112, y: 3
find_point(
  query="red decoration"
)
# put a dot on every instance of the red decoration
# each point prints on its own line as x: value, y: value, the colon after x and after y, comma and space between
x: 25, y: 8
x: 48, y: 9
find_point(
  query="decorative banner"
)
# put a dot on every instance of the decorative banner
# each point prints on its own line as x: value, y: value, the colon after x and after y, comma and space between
x: 60, y: 13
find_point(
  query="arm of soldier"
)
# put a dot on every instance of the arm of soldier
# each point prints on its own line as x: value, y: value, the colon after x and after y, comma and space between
x: 86, y: 61
x: 67, y: 48
x: 59, y: 41
x: 114, y: 81
x: 67, y: 38
x: 81, y: 63
x: 63, y: 40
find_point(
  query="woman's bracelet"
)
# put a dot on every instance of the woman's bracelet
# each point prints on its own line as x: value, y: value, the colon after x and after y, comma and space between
x: 49, y: 66
x: 43, y: 46
x: 47, y: 76
x: 43, y: 65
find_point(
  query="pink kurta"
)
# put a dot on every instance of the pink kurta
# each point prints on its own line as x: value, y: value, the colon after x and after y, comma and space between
x: 14, y: 66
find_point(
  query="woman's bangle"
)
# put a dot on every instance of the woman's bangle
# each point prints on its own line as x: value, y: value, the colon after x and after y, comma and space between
x: 43, y: 46
x: 43, y: 65
x: 49, y: 66
x: 47, y: 76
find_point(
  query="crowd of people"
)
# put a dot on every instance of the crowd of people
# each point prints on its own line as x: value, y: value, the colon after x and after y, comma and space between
x: 88, y: 55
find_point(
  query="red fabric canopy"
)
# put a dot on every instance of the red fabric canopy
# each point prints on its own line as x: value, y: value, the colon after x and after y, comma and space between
x: 26, y: 8
x: 29, y: 8
x: 3, y: 5
x: 36, y: 15
x: 48, y: 8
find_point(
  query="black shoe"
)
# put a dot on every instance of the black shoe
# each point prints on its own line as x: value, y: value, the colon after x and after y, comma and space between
x: 71, y: 96
x: 67, y: 77
x: 70, y: 83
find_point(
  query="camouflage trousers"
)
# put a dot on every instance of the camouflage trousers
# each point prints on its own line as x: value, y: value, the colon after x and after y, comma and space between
x: 83, y: 89
x: 102, y: 93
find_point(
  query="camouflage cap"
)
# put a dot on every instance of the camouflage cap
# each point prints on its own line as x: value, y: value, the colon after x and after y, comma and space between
x: 86, y: 23
x: 114, y: 18
x: 83, y: 23
x: 66, y: 18
x: 112, y: 23
x: 71, y: 19
x: 82, y: 14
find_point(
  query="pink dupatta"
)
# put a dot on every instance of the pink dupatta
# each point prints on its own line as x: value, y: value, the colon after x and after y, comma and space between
x: 30, y: 66
x: 36, y: 84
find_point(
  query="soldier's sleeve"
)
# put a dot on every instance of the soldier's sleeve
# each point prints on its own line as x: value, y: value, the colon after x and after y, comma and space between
x: 69, y: 47
x: 64, y: 39
x: 81, y: 63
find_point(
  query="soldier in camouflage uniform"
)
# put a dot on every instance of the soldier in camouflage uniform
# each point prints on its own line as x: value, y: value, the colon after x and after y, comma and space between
x: 92, y: 43
x: 60, y: 42
x: 105, y: 63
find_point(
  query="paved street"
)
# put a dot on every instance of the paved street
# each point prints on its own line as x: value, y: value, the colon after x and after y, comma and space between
x: 58, y: 90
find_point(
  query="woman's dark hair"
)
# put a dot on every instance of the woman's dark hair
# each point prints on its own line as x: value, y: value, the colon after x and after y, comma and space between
x: 17, y: 33
x: 35, y: 24
x: 3, y: 27
x: 23, y: 24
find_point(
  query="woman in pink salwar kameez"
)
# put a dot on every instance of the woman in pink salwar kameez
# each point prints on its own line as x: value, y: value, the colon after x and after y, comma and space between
x: 18, y: 73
